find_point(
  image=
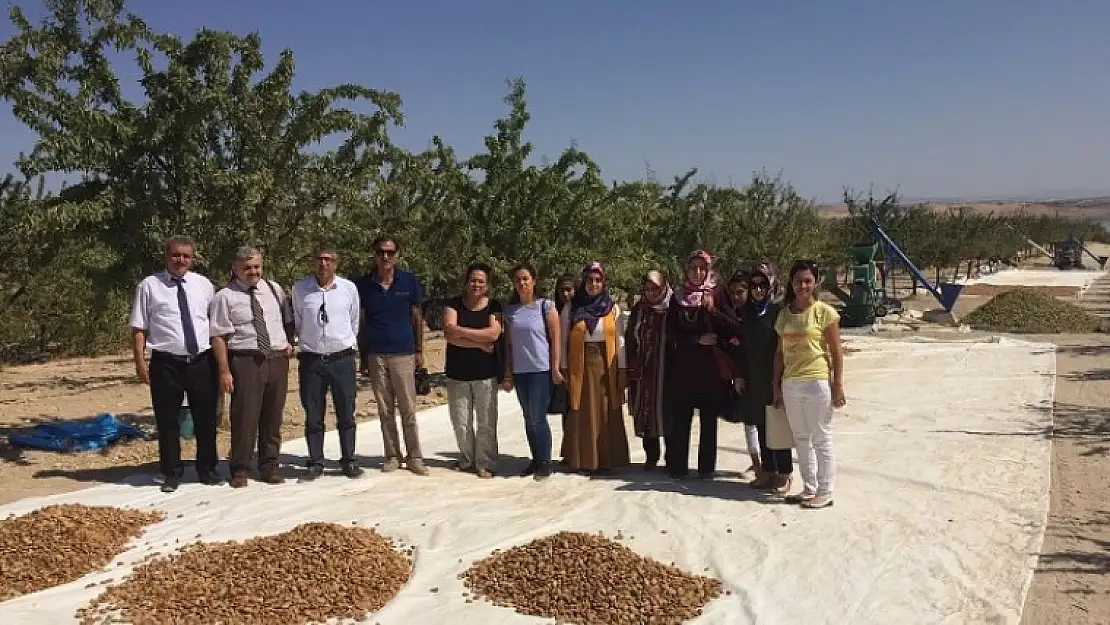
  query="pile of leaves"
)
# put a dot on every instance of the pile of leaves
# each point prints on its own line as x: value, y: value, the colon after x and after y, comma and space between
x: 1031, y: 311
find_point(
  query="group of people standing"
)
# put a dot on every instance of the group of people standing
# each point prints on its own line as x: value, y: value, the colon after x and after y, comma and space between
x: 239, y: 340
x: 729, y: 351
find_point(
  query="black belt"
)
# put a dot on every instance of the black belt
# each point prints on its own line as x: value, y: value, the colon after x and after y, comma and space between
x: 254, y: 353
x: 343, y: 353
x: 186, y: 359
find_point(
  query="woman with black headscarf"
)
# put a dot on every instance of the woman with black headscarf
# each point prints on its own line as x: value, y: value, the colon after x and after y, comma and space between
x: 761, y: 342
x: 596, y: 377
x: 736, y: 298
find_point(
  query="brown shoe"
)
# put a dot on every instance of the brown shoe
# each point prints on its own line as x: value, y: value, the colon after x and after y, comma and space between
x: 239, y: 481
x: 485, y: 474
x: 272, y: 478
x: 416, y: 465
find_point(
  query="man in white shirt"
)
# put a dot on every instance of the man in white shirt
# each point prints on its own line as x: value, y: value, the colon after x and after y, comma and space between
x: 326, y: 315
x: 170, y: 316
x: 250, y: 322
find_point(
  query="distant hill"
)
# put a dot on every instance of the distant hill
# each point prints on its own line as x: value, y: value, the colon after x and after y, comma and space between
x: 1093, y: 207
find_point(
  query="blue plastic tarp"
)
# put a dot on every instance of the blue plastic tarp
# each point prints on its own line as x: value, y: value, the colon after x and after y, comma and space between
x: 82, y: 435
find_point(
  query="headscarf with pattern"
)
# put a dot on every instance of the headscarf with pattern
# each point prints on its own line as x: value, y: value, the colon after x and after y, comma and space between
x: 694, y: 294
x: 590, y: 308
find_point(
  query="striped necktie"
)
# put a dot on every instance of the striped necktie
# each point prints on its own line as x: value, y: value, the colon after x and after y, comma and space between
x: 260, y: 330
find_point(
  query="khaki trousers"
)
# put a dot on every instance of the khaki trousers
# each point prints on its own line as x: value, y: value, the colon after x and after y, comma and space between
x: 473, y: 409
x: 393, y: 379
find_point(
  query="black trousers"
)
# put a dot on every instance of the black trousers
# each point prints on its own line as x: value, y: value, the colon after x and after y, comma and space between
x: 680, y: 424
x: 652, y: 449
x: 172, y: 379
x: 318, y: 375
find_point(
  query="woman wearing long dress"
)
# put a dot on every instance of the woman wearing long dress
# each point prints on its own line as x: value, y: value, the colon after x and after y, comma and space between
x: 596, y: 376
x: 700, y: 373
x: 645, y: 345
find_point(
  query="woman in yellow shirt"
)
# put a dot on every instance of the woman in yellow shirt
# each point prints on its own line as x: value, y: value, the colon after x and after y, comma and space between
x: 809, y: 367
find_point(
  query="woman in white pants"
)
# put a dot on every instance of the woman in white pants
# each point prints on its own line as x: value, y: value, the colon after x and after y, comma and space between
x: 809, y: 382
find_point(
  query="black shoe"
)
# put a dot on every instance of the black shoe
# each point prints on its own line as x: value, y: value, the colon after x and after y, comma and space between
x: 314, y: 471
x: 351, y: 470
x: 530, y: 469
x: 171, y: 484
x: 543, y: 471
x: 212, y: 479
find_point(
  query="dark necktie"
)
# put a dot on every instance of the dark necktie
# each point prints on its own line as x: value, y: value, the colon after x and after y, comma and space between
x: 186, y: 318
x: 260, y: 330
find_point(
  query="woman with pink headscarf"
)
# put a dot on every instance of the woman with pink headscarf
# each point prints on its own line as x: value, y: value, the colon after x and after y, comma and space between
x: 700, y: 372
x: 596, y: 377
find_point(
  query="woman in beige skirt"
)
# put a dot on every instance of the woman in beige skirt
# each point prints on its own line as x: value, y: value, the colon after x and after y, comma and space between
x: 596, y: 377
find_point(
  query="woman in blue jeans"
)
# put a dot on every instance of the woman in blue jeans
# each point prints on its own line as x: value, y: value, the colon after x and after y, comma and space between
x: 532, y: 363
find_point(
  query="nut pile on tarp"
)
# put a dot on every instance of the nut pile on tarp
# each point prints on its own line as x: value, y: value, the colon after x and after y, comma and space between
x: 588, y: 579
x: 58, y: 544
x: 310, y: 574
x: 1030, y: 311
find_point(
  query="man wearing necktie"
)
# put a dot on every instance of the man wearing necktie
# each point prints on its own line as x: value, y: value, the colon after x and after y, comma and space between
x: 170, y: 316
x: 250, y: 321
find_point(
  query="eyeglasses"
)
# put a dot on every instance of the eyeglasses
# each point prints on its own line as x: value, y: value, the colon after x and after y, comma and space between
x: 325, y: 259
x: 322, y: 314
x: 757, y: 285
x: 386, y: 253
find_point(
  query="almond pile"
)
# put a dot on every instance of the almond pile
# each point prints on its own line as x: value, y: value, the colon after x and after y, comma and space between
x: 311, y: 574
x: 588, y: 579
x: 58, y: 544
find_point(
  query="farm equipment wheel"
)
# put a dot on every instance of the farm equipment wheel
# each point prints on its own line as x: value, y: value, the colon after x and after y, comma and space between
x: 881, y: 311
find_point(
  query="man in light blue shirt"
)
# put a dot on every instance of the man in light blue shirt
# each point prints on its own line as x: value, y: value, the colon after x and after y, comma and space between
x: 326, y: 316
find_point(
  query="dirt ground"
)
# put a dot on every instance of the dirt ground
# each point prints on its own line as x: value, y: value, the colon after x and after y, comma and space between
x: 85, y: 387
x: 1071, y: 584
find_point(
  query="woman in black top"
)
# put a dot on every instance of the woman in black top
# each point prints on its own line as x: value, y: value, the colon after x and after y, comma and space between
x: 760, y: 342
x: 700, y: 372
x: 472, y: 327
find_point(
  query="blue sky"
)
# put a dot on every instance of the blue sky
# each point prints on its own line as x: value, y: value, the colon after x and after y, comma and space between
x: 935, y: 98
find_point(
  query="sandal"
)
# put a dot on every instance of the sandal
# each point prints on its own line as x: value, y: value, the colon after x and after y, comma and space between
x: 801, y: 498
x: 781, y: 483
x: 816, y: 503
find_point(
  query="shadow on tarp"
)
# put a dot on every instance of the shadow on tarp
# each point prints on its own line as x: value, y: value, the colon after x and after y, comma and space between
x: 292, y: 465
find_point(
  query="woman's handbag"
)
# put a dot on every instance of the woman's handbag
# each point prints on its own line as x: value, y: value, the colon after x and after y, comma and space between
x: 779, y: 435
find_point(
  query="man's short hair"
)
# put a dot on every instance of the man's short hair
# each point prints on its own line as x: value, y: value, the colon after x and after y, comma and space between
x: 245, y: 253
x: 325, y: 248
x: 181, y: 241
x: 384, y: 238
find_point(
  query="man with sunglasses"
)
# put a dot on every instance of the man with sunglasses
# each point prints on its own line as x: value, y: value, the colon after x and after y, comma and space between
x: 326, y: 316
x: 390, y: 300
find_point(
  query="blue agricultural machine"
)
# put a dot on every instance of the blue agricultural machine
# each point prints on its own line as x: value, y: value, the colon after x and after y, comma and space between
x: 869, y: 298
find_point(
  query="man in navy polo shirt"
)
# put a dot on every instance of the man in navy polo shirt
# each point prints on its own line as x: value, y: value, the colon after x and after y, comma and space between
x: 390, y: 300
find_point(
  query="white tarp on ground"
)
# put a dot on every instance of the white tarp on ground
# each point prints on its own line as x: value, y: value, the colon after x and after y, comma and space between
x: 1080, y: 278
x: 942, y: 497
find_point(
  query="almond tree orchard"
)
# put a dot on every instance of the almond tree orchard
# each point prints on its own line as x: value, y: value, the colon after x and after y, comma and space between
x: 216, y: 143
